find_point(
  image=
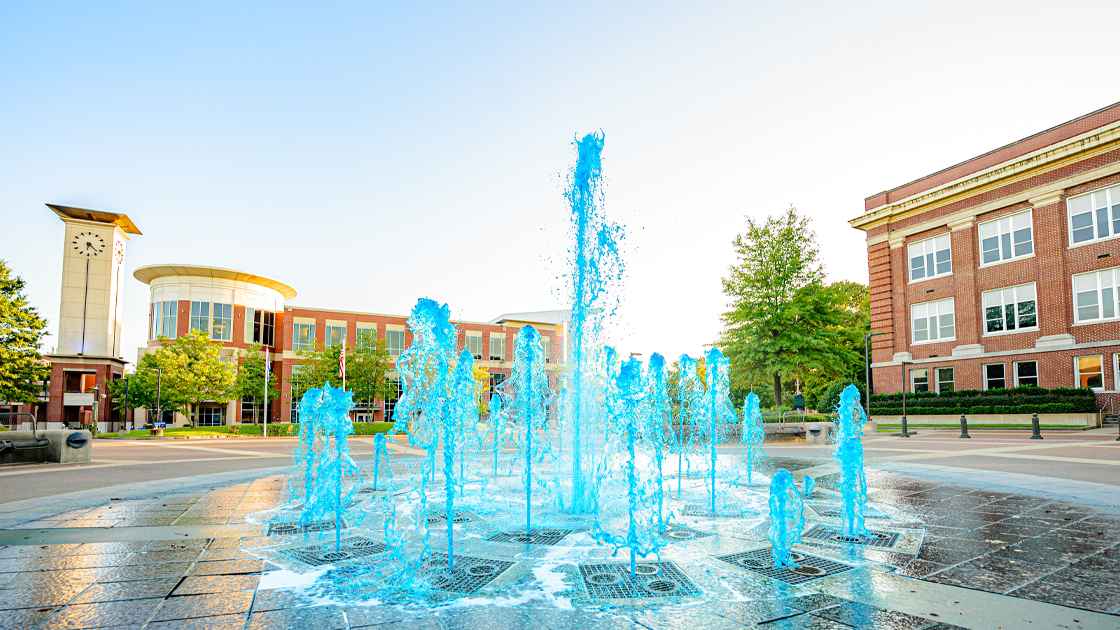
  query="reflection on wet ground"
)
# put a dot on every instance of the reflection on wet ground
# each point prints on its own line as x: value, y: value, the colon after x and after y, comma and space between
x: 981, y: 550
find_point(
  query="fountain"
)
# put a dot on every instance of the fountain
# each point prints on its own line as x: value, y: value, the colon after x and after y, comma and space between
x: 661, y: 416
x: 849, y: 454
x: 690, y: 394
x: 787, y: 518
x: 719, y: 414
x: 753, y: 434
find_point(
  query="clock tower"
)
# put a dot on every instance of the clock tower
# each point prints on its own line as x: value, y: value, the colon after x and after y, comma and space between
x: 89, y: 323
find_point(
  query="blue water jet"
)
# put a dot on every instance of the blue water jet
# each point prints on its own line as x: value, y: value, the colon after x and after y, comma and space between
x: 753, y: 435
x: 808, y: 483
x: 380, y: 457
x: 626, y: 471
x: 849, y: 454
x: 719, y: 412
x: 661, y: 415
x: 690, y: 396
x: 595, y: 268
x: 526, y: 396
x: 787, y: 518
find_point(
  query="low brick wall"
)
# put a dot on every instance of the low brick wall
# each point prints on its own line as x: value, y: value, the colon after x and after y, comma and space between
x: 1090, y: 420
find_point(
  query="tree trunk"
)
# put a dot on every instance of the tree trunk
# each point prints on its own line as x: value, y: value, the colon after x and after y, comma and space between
x: 777, y: 390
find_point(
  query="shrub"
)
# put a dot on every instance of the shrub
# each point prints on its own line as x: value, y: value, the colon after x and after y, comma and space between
x: 830, y: 396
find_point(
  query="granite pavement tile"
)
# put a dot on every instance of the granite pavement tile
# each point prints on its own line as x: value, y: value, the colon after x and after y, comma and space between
x: 1010, y: 567
x: 120, y: 591
x: 218, y: 622
x: 317, y: 617
x: 920, y: 568
x: 492, y: 618
x: 863, y: 616
x: 198, y: 585
x: 191, y: 606
x: 1068, y: 595
x: 23, y: 619
x: 162, y: 557
x: 227, y: 567
x: 978, y: 580
x: 804, y: 621
x: 101, y: 615
x: 107, y: 548
x: 1099, y: 580
x: 147, y: 572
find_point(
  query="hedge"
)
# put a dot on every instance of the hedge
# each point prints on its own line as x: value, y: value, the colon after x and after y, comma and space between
x: 1025, y: 399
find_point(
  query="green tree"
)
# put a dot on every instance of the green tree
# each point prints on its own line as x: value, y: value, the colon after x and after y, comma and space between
x: 481, y: 375
x: 784, y: 322
x: 250, y: 376
x: 367, y: 371
x: 22, y: 369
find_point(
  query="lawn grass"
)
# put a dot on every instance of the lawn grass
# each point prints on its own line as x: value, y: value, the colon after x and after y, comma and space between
x: 360, y: 428
x: 891, y: 428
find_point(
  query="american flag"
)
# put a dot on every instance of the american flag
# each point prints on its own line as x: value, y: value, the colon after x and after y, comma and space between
x: 342, y: 362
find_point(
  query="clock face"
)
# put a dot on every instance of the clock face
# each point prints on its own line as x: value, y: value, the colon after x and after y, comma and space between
x: 89, y: 244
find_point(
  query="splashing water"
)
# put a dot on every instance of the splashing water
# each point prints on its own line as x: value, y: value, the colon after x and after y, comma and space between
x: 753, y: 435
x: 661, y: 414
x: 527, y: 395
x: 787, y: 518
x: 381, y: 459
x: 425, y: 410
x: 849, y: 453
x: 691, y: 410
x: 596, y: 267
x: 627, y: 491
x: 719, y: 413
x: 324, y: 426
x: 808, y: 483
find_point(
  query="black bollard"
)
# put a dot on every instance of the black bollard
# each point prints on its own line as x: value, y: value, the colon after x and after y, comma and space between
x: 904, y: 432
x: 1037, y: 435
x: 964, y: 427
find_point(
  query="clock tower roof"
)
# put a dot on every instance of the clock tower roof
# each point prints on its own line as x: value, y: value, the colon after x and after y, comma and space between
x: 120, y: 220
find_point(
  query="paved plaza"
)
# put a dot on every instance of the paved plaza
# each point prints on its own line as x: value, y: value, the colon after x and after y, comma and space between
x: 169, y: 534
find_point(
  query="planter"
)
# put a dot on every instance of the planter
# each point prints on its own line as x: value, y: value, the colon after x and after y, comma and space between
x: 156, y: 433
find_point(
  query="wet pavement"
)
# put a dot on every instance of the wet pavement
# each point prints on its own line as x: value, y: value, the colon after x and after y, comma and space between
x: 191, y: 554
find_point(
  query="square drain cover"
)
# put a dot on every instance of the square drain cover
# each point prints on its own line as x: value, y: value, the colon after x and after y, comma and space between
x: 287, y: 529
x: 831, y: 534
x: 695, y: 509
x: 759, y: 561
x: 440, y: 518
x: 537, y: 537
x: 678, y: 533
x: 469, y: 575
x: 654, y: 579
x: 350, y: 548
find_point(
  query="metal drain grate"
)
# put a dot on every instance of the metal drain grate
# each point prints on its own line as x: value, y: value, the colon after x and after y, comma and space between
x: 833, y: 510
x: 760, y: 561
x: 537, y: 537
x: 287, y: 529
x: 654, y: 579
x: 439, y: 518
x: 470, y: 573
x: 694, y: 509
x: 369, y: 490
x: 677, y: 533
x: 831, y: 534
x: 350, y: 548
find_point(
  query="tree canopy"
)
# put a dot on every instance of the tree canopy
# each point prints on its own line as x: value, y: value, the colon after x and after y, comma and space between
x: 22, y: 369
x: 367, y: 370
x: 784, y: 322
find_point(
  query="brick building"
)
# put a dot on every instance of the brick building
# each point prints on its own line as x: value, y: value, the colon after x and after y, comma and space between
x: 1002, y: 270
x: 239, y: 309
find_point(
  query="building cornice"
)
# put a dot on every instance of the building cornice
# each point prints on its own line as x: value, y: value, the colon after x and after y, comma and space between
x: 1075, y: 149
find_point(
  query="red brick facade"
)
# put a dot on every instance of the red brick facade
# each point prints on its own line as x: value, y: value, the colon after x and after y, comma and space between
x: 1038, y: 174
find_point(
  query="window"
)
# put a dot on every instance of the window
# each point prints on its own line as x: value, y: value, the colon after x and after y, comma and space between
x: 930, y: 258
x: 1006, y: 238
x: 919, y: 380
x: 260, y: 326
x: 1010, y: 309
x: 200, y: 316
x: 164, y: 316
x: 1094, y: 295
x: 299, y: 384
x: 303, y: 336
x: 496, y: 379
x: 223, y: 322
x: 944, y: 380
x: 497, y: 348
x: 546, y: 348
x: 933, y: 321
x: 1090, y: 372
x: 394, y: 339
x: 391, y: 402
x: 210, y: 417
x: 474, y: 344
x: 1089, y: 217
x: 334, y: 335
x: 251, y: 410
x: 994, y: 377
x: 366, y: 339
x: 1026, y: 373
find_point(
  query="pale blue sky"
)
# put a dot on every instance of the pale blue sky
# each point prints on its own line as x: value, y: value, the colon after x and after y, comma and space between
x: 373, y: 153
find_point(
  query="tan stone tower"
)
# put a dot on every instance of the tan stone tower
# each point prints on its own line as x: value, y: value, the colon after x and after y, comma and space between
x: 89, y: 323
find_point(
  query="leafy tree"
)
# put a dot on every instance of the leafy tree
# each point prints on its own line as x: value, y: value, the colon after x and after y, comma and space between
x: 784, y: 322
x: 250, y: 376
x: 482, y: 386
x: 367, y: 371
x: 830, y: 396
x: 22, y: 369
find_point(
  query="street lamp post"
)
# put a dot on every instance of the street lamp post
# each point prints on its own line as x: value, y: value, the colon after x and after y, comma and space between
x: 904, y: 433
x: 867, y: 368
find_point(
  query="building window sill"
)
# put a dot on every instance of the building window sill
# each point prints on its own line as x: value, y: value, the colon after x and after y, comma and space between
x: 1095, y: 240
x: 1004, y: 333
x: 1009, y: 260
x: 921, y: 280
x: 926, y: 343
